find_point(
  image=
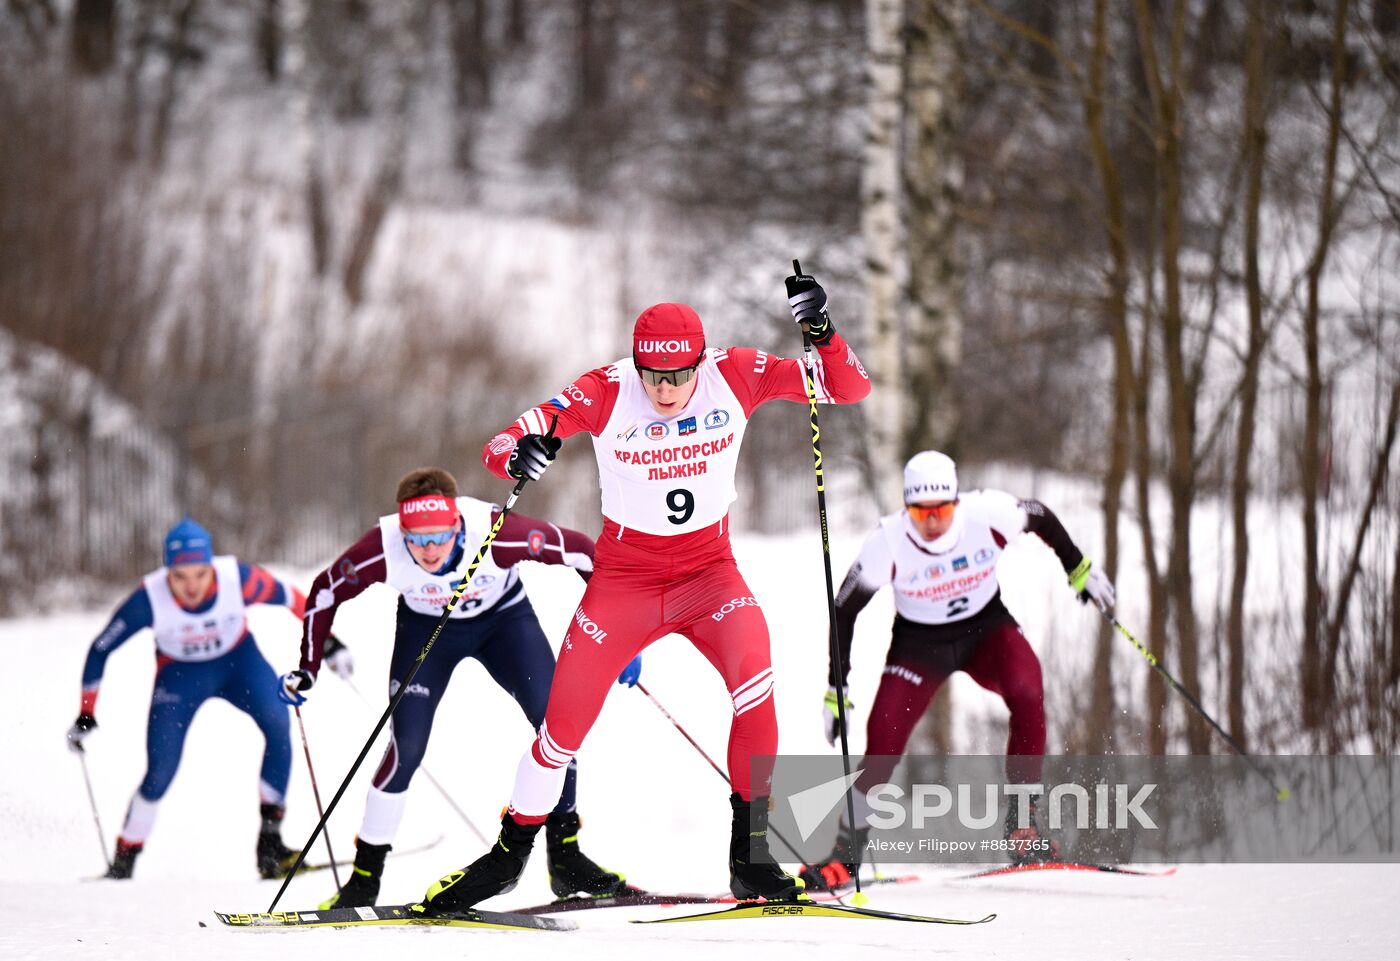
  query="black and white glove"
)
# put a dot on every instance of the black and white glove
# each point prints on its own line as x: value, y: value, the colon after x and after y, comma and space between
x: 336, y: 656
x: 82, y: 727
x: 532, y: 455
x: 291, y: 685
x: 807, y: 301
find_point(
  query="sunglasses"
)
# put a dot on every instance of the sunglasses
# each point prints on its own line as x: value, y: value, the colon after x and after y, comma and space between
x: 423, y: 540
x: 673, y: 377
x: 922, y: 512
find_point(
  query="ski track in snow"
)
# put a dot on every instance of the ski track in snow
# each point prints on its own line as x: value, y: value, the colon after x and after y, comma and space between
x: 651, y: 808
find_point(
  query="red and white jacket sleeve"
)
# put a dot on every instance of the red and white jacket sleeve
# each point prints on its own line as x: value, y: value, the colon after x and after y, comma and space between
x: 361, y: 565
x: 582, y: 407
x: 756, y: 376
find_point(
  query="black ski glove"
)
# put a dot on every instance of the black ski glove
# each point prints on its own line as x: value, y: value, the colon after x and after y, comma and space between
x: 532, y: 455
x: 807, y: 301
x: 82, y: 727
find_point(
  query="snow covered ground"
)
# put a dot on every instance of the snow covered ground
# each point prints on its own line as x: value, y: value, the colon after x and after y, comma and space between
x: 651, y: 807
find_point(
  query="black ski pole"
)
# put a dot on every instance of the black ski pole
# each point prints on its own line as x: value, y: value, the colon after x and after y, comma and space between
x: 811, y: 382
x: 1281, y: 793
x: 423, y: 770
x: 316, y: 793
x: 92, y: 802
x: 417, y: 663
x: 718, y: 770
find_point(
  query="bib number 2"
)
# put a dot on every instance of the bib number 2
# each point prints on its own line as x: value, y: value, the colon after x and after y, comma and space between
x: 682, y: 505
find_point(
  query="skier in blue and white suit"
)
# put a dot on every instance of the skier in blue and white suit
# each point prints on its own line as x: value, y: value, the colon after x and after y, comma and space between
x: 196, y: 607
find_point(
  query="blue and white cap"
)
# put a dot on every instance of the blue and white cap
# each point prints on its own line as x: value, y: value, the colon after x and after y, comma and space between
x: 930, y: 476
x: 188, y: 543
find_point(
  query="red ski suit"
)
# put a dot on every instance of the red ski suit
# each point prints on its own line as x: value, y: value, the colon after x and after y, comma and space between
x: 660, y: 471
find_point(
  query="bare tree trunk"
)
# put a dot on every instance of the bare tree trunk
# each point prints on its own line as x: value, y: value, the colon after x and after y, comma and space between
x: 129, y: 143
x: 1392, y: 676
x: 1181, y: 400
x: 384, y: 190
x: 1379, y: 470
x: 180, y: 51
x: 1157, y: 602
x: 1311, y: 685
x: 1255, y: 144
x: 739, y: 30
x: 94, y: 36
x: 269, y: 39
x: 932, y: 180
x: 351, y: 57
x: 517, y: 24
x: 594, y: 52
x: 1102, y: 709
x: 881, y: 230
x: 299, y: 73
x: 471, y: 74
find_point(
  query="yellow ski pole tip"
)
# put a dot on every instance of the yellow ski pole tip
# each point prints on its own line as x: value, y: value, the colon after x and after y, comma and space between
x: 1284, y: 794
x: 860, y: 899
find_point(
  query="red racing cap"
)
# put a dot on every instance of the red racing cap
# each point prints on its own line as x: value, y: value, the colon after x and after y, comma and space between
x: 668, y: 337
x: 429, y: 510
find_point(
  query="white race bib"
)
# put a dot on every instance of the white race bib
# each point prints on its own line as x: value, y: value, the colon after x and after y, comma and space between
x: 953, y: 578
x: 184, y: 636
x: 428, y: 593
x: 670, y: 475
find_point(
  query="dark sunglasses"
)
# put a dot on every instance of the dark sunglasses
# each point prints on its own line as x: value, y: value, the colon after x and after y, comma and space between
x: 423, y: 540
x: 673, y: 377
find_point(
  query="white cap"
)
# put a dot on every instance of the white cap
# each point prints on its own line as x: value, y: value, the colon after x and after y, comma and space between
x: 930, y: 476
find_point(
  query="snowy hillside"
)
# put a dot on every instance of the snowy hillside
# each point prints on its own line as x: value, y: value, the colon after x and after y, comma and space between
x: 651, y: 806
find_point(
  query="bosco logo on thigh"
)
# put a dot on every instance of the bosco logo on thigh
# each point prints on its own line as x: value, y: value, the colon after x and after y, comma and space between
x: 730, y: 606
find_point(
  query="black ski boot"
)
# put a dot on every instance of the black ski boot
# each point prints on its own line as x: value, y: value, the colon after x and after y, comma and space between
x: 752, y: 871
x: 275, y: 859
x: 571, y: 871
x: 362, y: 887
x: 123, y: 861
x: 495, y: 872
x: 1029, y: 844
x: 841, y: 866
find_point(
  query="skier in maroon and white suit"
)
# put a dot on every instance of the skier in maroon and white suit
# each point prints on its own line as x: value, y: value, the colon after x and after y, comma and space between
x: 667, y: 424
x: 939, y: 555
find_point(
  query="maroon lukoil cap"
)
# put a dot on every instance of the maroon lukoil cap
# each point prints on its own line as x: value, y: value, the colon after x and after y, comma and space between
x: 667, y: 337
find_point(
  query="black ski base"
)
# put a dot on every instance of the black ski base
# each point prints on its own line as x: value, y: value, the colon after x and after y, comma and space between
x: 389, y: 914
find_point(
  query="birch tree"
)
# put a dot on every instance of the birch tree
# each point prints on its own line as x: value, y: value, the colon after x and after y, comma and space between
x: 933, y: 338
x: 881, y: 232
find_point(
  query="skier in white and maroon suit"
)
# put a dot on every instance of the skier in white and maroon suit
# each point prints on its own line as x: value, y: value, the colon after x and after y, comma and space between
x: 939, y: 555
x: 667, y: 424
x: 423, y: 551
